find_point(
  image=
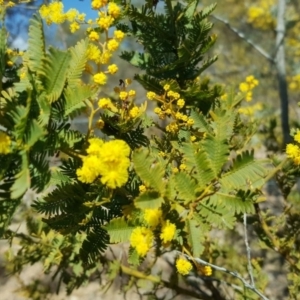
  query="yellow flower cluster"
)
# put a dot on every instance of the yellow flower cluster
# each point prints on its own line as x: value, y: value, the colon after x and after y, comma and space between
x: 152, y: 217
x: 141, y: 235
x: 108, y: 161
x: 261, y: 16
x: 141, y: 239
x: 247, y: 86
x: 54, y: 13
x: 171, y: 106
x: 5, y: 143
x: 293, y: 150
x: 183, y: 266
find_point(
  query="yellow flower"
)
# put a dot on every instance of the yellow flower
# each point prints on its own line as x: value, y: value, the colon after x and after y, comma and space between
x: 123, y: 95
x: 95, y: 146
x: 109, y: 160
x: 112, y: 45
x: 112, y: 69
x: 119, y: 35
x: 114, y: 10
x: 105, y: 22
x: 168, y: 232
x: 152, y: 217
x: 292, y: 151
x: 180, y: 103
x: 141, y: 239
x: 104, y: 103
x: 100, y: 78
x: 74, y: 27
x: 192, y: 138
x: 94, y: 36
x: 5, y: 143
x: 166, y: 87
x: 244, y: 87
x: 142, y: 188
x: 93, y: 53
x: 151, y: 95
x: 131, y: 93
x: 183, y: 266
x: 134, y: 112
x: 207, y: 271
x: 71, y: 14
x: 104, y: 58
x: 190, y: 122
x: 157, y: 110
x: 96, y: 4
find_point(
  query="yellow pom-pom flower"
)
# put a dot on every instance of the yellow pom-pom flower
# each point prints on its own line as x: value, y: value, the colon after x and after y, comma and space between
x: 168, y: 232
x: 183, y: 266
x: 152, y: 217
x: 100, y: 78
x: 112, y: 69
x: 141, y: 239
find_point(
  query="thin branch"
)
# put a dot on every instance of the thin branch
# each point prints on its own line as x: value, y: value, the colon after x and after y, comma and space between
x: 234, y: 274
x: 243, y: 37
x: 248, y: 249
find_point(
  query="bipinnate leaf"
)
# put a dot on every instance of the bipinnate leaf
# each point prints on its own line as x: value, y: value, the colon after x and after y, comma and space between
x: 149, y: 171
x: 244, y: 172
x: 195, y: 237
x: 75, y: 99
x: 216, y: 152
x: 36, y: 44
x: 77, y: 63
x: 22, y: 179
x: 118, y: 230
x: 199, y: 121
x: 197, y: 165
x: 237, y: 203
x: 35, y: 132
x: 149, y: 200
x: 185, y: 186
x: 55, y: 73
x: 216, y: 215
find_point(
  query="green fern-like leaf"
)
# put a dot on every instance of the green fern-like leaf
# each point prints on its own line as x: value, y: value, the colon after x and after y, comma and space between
x: 77, y: 63
x: 195, y: 237
x: 217, y: 151
x: 148, y: 200
x: 54, y: 75
x: 22, y: 179
x: 36, y: 45
x: 151, y: 174
x: 244, y: 172
x: 200, y: 121
x: 95, y: 243
x: 119, y: 231
x: 216, y: 216
x: 75, y: 99
x: 237, y: 203
x: 185, y: 187
x: 197, y: 164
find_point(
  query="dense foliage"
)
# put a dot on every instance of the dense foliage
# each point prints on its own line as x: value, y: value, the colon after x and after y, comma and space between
x: 162, y: 181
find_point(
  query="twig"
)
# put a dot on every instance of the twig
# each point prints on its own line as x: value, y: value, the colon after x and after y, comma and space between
x: 243, y: 37
x: 248, y: 249
x: 221, y: 269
